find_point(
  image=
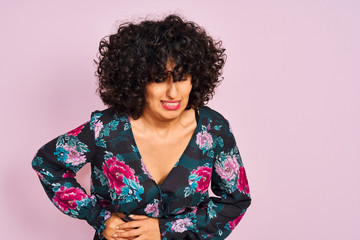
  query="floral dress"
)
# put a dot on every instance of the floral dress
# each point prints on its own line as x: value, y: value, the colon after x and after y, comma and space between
x: 120, y: 181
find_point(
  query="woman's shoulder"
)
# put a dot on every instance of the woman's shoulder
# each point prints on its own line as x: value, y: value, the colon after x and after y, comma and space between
x: 214, y: 116
x: 108, y: 115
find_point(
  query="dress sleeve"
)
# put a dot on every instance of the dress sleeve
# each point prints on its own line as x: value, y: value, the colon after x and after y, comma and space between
x: 219, y: 215
x: 56, y: 164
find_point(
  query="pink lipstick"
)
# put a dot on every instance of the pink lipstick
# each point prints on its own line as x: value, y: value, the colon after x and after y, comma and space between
x: 170, y: 105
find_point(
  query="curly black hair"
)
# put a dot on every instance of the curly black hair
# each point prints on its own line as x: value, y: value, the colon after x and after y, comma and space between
x: 137, y: 54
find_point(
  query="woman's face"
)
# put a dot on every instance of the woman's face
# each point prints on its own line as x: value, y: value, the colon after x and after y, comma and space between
x: 168, y: 99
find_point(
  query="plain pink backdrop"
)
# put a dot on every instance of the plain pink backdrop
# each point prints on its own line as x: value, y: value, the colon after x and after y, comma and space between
x: 291, y: 93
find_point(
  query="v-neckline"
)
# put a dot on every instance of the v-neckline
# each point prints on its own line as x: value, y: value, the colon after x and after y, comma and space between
x: 191, y: 142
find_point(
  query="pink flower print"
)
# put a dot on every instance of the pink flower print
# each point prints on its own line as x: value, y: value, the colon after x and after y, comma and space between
x: 143, y: 167
x: 115, y: 171
x: 233, y: 223
x: 76, y: 131
x: 74, y: 157
x: 204, y: 182
x: 242, y: 183
x: 68, y: 174
x: 153, y: 209
x: 97, y: 128
x: 65, y: 198
x: 228, y: 168
x: 183, y: 209
x: 204, y: 140
x: 181, y: 224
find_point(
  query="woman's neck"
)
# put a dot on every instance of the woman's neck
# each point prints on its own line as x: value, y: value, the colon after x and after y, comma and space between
x: 164, y: 127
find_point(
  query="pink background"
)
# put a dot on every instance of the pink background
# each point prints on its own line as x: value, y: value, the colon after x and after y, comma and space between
x: 291, y: 94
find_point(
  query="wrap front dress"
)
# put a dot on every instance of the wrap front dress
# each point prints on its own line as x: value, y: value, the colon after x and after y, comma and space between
x: 120, y: 181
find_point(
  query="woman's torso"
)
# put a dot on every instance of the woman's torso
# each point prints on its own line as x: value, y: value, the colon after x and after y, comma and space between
x: 160, y: 152
x: 122, y: 182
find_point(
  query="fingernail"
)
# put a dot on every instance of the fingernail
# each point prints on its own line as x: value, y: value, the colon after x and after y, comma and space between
x: 117, y: 227
x: 131, y: 215
x: 115, y: 235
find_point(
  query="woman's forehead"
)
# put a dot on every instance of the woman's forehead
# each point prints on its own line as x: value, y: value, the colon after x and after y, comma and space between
x: 170, y: 64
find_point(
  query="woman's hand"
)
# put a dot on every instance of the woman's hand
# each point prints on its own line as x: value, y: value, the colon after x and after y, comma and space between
x: 141, y: 228
x: 111, y: 227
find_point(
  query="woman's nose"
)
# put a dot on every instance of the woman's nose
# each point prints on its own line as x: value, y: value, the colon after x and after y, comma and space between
x: 171, y: 88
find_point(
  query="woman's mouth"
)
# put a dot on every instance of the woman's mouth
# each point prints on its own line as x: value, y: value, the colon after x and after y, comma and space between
x: 170, y: 105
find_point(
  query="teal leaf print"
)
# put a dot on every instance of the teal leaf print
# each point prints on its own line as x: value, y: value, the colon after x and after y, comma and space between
x: 71, y: 141
x: 100, y: 175
x: 193, y: 185
x: 61, y: 154
x: 100, y: 143
x: 219, y: 141
x: 81, y: 203
x: 194, y: 177
x: 60, y: 142
x: 210, y: 210
x: 81, y: 147
x: 113, y: 196
x: 108, y: 155
x: 47, y: 173
x: 210, y: 154
x: 126, y: 126
x: 131, y: 191
x: 134, y: 148
x: 119, y: 157
x: 188, y: 191
x: 113, y: 124
x: 105, y: 132
x: 217, y: 127
x: 131, y: 183
x: 74, y: 212
x: 37, y: 161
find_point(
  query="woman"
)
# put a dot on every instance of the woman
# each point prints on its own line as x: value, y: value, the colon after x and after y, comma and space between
x: 157, y: 148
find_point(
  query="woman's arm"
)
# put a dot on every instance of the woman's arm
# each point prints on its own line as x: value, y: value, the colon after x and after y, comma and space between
x: 56, y: 164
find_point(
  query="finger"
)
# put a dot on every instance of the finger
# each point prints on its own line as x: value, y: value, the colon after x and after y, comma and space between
x: 129, y: 238
x: 127, y: 234
x: 138, y: 217
x: 127, y: 225
x: 123, y: 238
x: 117, y: 237
x: 124, y: 230
x: 141, y: 237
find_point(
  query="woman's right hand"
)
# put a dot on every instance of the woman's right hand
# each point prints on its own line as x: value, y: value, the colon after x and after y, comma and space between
x: 110, y: 227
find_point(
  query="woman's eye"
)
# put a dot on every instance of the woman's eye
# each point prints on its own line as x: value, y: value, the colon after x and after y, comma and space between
x: 184, y: 77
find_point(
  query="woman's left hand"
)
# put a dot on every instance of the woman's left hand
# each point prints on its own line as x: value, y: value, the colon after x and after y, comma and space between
x: 141, y: 228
